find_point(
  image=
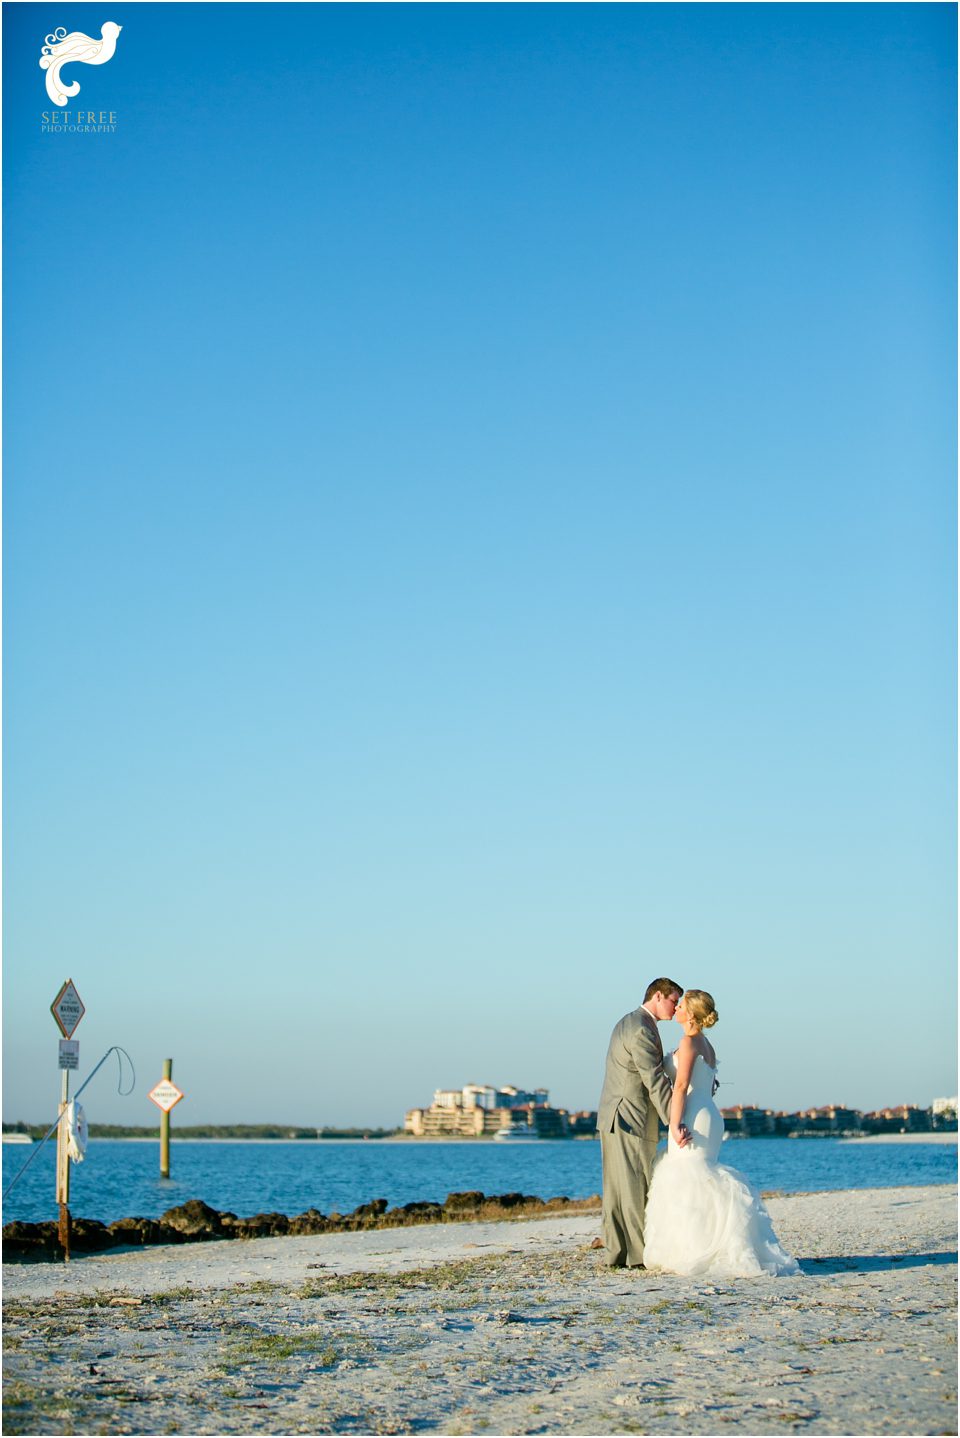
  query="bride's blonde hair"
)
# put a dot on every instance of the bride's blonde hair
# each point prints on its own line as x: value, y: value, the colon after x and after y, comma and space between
x: 701, y: 1008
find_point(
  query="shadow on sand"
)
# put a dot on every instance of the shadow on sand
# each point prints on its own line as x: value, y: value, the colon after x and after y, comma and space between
x: 873, y: 1262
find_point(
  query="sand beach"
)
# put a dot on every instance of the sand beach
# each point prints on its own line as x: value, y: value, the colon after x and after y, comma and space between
x: 502, y: 1328
x: 938, y: 1137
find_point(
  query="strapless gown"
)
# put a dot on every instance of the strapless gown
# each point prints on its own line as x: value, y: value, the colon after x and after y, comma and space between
x: 703, y: 1218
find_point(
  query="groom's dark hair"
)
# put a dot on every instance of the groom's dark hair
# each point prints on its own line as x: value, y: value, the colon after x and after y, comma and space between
x: 662, y: 986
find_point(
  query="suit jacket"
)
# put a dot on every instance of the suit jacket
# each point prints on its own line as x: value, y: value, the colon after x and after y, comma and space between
x: 635, y: 1086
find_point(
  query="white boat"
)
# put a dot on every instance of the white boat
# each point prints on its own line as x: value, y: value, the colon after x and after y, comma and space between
x: 17, y: 1138
x: 516, y: 1133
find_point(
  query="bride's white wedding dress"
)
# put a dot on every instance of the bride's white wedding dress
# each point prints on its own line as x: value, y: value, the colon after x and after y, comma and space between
x: 702, y: 1217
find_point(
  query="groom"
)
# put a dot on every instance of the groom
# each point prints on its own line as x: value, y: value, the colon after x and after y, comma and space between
x: 635, y: 1090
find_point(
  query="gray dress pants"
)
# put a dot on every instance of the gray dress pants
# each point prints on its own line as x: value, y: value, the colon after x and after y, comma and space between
x: 627, y: 1166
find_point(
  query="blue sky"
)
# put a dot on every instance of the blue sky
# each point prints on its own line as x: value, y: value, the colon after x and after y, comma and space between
x: 480, y: 533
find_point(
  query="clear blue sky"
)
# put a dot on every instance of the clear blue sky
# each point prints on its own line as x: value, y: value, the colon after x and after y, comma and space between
x: 480, y: 534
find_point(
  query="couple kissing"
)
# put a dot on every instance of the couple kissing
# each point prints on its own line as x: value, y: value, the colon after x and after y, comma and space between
x: 687, y: 1213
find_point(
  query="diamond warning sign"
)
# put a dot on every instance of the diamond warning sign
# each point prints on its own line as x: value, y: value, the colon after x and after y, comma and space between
x: 165, y: 1095
x: 67, y: 1009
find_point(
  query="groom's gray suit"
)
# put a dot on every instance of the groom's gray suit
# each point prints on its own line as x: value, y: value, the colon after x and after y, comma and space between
x: 635, y: 1090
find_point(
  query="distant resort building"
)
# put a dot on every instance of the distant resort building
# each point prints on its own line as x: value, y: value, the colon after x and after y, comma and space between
x: 479, y: 1110
x: 482, y: 1111
x: 831, y: 1118
x: 905, y: 1118
x: 834, y: 1119
x: 748, y: 1121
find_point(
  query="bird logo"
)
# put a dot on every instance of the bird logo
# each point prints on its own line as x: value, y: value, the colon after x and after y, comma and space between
x: 62, y: 49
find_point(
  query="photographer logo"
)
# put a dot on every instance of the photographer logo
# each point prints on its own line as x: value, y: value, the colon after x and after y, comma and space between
x: 76, y: 48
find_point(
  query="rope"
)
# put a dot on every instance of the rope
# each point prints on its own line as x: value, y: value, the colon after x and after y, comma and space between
x: 114, y: 1049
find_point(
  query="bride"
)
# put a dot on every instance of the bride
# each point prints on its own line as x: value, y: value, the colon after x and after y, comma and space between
x: 703, y: 1217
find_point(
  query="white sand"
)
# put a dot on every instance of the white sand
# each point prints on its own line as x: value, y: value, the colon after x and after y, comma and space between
x: 512, y: 1327
x: 227, y: 1262
x: 938, y: 1137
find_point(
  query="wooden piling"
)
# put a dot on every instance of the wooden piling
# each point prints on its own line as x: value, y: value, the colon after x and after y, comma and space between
x: 63, y: 1169
x: 165, y: 1126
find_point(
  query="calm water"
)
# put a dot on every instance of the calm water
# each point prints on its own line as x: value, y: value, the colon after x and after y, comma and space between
x: 121, y: 1179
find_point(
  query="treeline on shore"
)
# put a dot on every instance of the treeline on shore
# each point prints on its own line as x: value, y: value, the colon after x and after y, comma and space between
x: 206, y: 1130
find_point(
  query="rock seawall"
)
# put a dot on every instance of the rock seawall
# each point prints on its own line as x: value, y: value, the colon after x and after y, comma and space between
x: 196, y: 1222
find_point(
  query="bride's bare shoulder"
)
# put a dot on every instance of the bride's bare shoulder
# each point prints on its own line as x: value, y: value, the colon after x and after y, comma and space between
x: 687, y: 1050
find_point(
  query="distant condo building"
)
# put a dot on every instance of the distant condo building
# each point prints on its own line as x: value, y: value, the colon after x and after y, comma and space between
x: 831, y: 1118
x: 480, y: 1109
x: 905, y: 1118
x: 747, y: 1121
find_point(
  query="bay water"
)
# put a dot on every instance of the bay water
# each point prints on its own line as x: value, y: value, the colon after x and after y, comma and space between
x: 119, y: 1178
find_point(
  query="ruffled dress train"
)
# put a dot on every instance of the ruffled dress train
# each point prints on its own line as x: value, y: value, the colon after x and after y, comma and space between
x: 704, y: 1219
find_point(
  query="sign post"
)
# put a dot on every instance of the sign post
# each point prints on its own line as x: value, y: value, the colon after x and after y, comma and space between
x: 165, y: 1094
x: 67, y: 1010
x: 63, y: 1170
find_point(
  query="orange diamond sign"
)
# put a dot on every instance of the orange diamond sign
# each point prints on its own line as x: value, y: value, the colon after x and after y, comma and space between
x: 67, y: 1009
x: 165, y: 1095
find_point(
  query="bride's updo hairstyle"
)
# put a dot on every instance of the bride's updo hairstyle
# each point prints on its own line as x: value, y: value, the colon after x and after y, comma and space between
x: 701, y: 1008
